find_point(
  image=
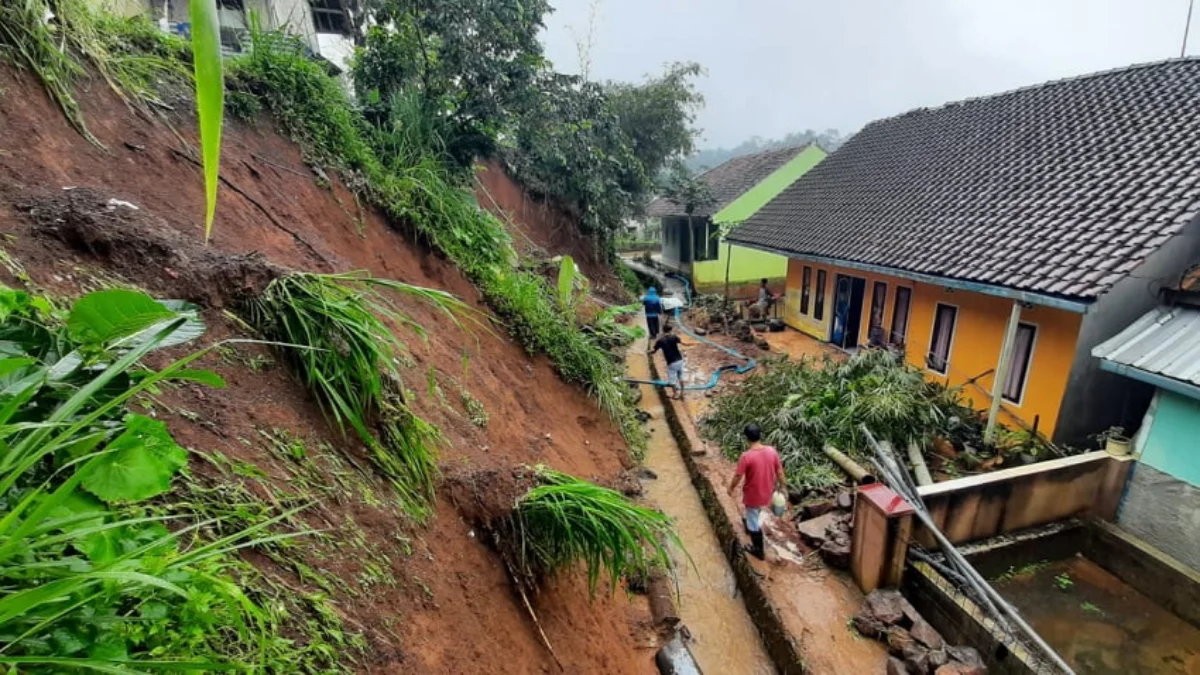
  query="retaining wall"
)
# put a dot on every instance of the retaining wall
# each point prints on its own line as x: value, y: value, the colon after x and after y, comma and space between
x: 983, y: 506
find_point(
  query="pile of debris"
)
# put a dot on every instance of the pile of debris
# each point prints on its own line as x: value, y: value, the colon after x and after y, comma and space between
x: 915, y: 647
x: 825, y: 526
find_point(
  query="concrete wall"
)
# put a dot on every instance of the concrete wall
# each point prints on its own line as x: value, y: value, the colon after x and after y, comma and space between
x: 745, y: 265
x: 1162, y: 503
x: 676, y: 243
x: 983, y: 506
x: 1095, y: 399
x: 975, y: 348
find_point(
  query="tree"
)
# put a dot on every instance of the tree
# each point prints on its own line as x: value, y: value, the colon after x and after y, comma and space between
x: 472, y: 60
x: 657, y: 115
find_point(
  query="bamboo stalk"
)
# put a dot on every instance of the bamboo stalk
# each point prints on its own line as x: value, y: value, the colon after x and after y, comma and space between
x: 918, y: 464
x: 851, y: 467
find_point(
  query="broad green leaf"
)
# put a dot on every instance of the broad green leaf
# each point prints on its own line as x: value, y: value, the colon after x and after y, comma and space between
x: 139, y: 463
x: 100, y: 317
x: 566, y: 281
x: 11, y: 300
x: 205, y: 377
x: 210, y: 97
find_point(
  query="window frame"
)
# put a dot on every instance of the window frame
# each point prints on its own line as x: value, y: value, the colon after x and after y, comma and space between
x: 805, y: 289
x: 882, y: 309
x: 819, y: 301
x: 907, y: 316
x: 933, y: 336
x: 327, y: 13
x: 1028, y: 365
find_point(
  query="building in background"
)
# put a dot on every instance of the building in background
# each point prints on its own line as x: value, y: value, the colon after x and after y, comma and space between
x: 997, y: 240
x: 739, y: 188
x: 324, y: 26
x: 1162, y: 349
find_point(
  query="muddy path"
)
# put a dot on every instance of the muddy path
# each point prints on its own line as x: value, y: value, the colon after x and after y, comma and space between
x: 724, y: 637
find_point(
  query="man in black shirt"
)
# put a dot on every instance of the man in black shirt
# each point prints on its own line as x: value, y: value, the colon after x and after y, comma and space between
x: 669, y: 344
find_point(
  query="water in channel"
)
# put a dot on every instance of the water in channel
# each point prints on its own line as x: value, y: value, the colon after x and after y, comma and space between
x: 724, y: 638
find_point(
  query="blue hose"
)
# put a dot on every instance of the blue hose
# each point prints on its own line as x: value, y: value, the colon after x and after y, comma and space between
x: 749, y: 364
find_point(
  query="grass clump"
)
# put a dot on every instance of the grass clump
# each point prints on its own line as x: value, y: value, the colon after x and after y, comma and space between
x: 564, y: 521
x: 336, y: 332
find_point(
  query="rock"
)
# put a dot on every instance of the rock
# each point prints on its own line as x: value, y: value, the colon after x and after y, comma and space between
x: 896, y: 667
x: 900, y: 641
x: 763, y: 345
x: 938, y: 658
x: 956, y: 668
x: 845, y: 500
x: 885, y: 606
x: 836, y: 552
x: 926, y: 635
x: 968, y: 656
x: 816, y: 509
x: 868, y: 626
x: 699, y: 331
x: 813, y: 531
x: 648, y: 474
x: 642, y: 415
x: 917, y: 661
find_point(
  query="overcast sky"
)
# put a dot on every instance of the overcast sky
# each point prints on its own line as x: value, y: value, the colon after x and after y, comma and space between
x: 777, y: 66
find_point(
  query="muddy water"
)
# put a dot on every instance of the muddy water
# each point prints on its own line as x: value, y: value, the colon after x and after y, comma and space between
x: 724, y: 639
x: 1099, y: 624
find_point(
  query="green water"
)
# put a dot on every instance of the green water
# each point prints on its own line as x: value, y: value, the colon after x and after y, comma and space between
x: 1101, y: 625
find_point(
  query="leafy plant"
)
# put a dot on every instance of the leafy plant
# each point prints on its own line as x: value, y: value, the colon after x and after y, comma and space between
x: 566, y: 284
x: 564, y: 521
x: 92, y: 581
x: 1026, y: 570
x: 210, y: 97
x: 337, y: 336
x: 1063, y: 582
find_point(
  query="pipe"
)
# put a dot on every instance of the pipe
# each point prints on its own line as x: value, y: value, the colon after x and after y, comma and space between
x: 676, y: 659
x: 998, y: 607
x: 918, y: 464
x: 750, y: 364
x: 851, y: 467
x: 1006, y: 352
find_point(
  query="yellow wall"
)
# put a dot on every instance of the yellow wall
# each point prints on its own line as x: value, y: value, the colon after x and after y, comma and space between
x: 975, y: 348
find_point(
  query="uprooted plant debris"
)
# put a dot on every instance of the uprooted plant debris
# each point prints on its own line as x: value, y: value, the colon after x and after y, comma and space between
x: 802, y: 405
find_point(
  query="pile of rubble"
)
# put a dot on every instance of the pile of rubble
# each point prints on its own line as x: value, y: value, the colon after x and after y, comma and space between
x: 915, y: 647
x: 825, y: 526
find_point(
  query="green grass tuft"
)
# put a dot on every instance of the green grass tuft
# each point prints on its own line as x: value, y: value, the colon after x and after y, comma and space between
x: 565, y: 521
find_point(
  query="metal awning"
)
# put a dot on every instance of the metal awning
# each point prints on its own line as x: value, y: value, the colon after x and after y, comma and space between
x: 1161, y: 348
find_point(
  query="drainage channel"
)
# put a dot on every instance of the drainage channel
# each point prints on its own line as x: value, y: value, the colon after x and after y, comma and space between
x: 724, y: 638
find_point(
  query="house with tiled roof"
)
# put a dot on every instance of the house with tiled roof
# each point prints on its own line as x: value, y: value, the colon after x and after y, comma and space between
x: 996, y: 240
x: 691, y: 243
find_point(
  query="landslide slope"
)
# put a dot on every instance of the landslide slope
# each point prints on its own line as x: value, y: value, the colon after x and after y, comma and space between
x: 427, y: 599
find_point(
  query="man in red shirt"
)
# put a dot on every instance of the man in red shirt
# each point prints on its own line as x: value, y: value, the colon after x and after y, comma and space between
x: 763, y: 471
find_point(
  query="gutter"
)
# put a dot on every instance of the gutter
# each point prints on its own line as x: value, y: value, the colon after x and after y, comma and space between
x: 977, y: 287
x: 1160, y: 381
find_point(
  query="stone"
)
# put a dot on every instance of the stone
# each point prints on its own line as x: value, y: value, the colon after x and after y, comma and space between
x: 968, y: 656
x: 926, y: 635
x: 896, y: 667
x: 813, y: 531
x: 938, y: 658
x: 816, y: 509
x: 845, y: 500
x: 900, y: 641
x: 648, y: 474
x: 836, y: 551
x: 699, y: 331
x: 868, y: 626
x: 886, y: 606
x: 917, y: 660
x: 956, y: 668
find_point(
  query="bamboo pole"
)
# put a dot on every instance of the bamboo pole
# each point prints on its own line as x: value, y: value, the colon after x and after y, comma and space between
x: 851, y: 467
x: 918, y: 464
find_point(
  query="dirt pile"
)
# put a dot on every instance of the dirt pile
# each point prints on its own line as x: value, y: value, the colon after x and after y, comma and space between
x: 427, y: 599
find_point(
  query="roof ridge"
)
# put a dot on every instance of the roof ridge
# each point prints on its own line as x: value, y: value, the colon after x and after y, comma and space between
x: 1040, y: 85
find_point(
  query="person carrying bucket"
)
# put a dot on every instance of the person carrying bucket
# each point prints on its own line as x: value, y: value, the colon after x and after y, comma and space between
x: 653, y: 306
x: 759, y: 465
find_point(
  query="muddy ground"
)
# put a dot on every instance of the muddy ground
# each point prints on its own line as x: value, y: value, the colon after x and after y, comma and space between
x: 429, y: 599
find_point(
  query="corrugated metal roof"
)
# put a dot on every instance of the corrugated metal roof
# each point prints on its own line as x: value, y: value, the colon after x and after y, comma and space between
x: 1166, y: 342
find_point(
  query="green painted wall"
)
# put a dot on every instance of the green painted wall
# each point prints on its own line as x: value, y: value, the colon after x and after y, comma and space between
x: 1171, y: 446
x: 749, y: 264
x: 757, y: 197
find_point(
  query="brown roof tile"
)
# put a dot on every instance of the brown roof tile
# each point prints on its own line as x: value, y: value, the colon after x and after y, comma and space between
x: 1087, y: 176
x: 729, y: 180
